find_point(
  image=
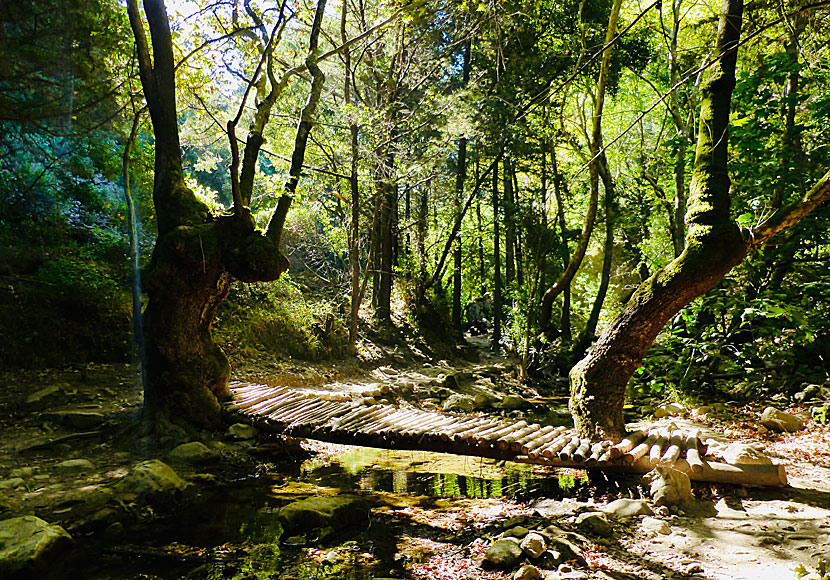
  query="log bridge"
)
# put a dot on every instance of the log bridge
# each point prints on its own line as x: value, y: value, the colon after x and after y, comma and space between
x: 302, y: 414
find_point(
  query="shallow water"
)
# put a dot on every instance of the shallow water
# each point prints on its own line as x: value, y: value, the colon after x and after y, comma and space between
x: 236, y: 534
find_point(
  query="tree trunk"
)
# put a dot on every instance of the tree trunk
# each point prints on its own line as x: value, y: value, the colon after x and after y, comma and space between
x: 196, y: 254
x: 460, y: 177
x: 518, y: 254
x: 509, y: 224
x: 587, y: 334
x: 386, y: 238
x: 714, y: 245
x: 354, y: 230
x: 497, y: 302
x: 565, y: 317
x: 684, y: 132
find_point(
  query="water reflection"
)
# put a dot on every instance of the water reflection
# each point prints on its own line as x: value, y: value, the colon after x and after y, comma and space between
x: 437, y: 475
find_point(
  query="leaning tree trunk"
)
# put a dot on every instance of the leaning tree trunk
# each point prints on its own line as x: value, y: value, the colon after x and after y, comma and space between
x: 714, y: 245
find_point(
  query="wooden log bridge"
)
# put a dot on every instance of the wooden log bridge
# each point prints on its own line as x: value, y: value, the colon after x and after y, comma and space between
x: 302, y: 414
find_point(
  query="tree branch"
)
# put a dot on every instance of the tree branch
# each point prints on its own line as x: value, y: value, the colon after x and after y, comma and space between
x: 791, y: 215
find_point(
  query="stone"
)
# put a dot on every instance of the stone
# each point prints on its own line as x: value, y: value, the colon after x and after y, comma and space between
x: 242, y: 432
x: 483, y: 400
x: 628, y: 508
x: 534, y: 544
x: 564, y: 550
x: 516, y: 532
x: 780, y: 422
x: 153, y: 477
x: 29, y: 542
x: 22, y: 472
x: 651, y: 525
x: 76, y: 465
x: 339, y: 512
x: 373, y: 390
x: 81, y: 420
x: 95, y: 495
x: 503, y: 554
x: 193, y: 452
x: 389, y: 371
x: 511, y: 402
x: 527, y: 572
x: 745, y: 453
x: 810, y: 393
x: 669, y: 410
x: 669, y: 487
x: 594, y: 524
x: 458, y: 402
x: 12, y: 483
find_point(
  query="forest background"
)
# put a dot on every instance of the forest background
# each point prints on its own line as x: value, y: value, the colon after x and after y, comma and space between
x: 466, y: 159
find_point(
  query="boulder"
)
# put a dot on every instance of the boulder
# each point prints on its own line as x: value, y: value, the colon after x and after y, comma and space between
x: 745, y: 453
x: 563, y: 550
x: 628, y: 508
x: 339, y: 511
x: 241, y: 432
x: 534, y: 544
x: 651, y: 525
x: 458, y: 402
x: 780, y: 422
x: 594, y: 524
x: 150, y: 478
x: 28, y: 542
x: 193, y: 452
x: 76, y: 465
x: 503, y: 554
x: 669, y: 486
x: 527, y: 572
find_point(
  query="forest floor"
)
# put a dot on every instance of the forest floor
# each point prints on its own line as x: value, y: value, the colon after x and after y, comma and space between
x: 51, y: 421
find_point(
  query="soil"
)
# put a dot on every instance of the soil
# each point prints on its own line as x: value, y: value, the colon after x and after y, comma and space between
x: 49, y: 417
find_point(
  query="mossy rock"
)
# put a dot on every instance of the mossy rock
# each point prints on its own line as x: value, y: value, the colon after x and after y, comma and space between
x: 338, y: 512
x: 26, y: 543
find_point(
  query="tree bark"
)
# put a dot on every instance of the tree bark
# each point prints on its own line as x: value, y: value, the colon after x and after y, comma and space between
x: 460, y: 177
x: 565, y: 316
x: 497, y: 302
x: 714, y: 245
x: 196, y: 255
x: 354, y: 229
x: 509, y: 224
x: 587, y: 334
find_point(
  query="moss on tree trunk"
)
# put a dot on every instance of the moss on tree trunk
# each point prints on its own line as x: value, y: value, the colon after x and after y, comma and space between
x: 714, y: 245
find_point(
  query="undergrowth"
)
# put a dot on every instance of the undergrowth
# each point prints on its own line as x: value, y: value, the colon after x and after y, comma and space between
x: 275, y: 320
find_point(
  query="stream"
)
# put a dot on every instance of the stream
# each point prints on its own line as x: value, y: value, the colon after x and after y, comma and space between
x: 236, y: 534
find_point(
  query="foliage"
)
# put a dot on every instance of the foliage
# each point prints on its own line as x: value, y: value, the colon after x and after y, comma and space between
x: 274, y: 320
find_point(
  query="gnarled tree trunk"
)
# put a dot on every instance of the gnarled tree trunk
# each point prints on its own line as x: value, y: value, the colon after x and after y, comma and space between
x: 197, y: 254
